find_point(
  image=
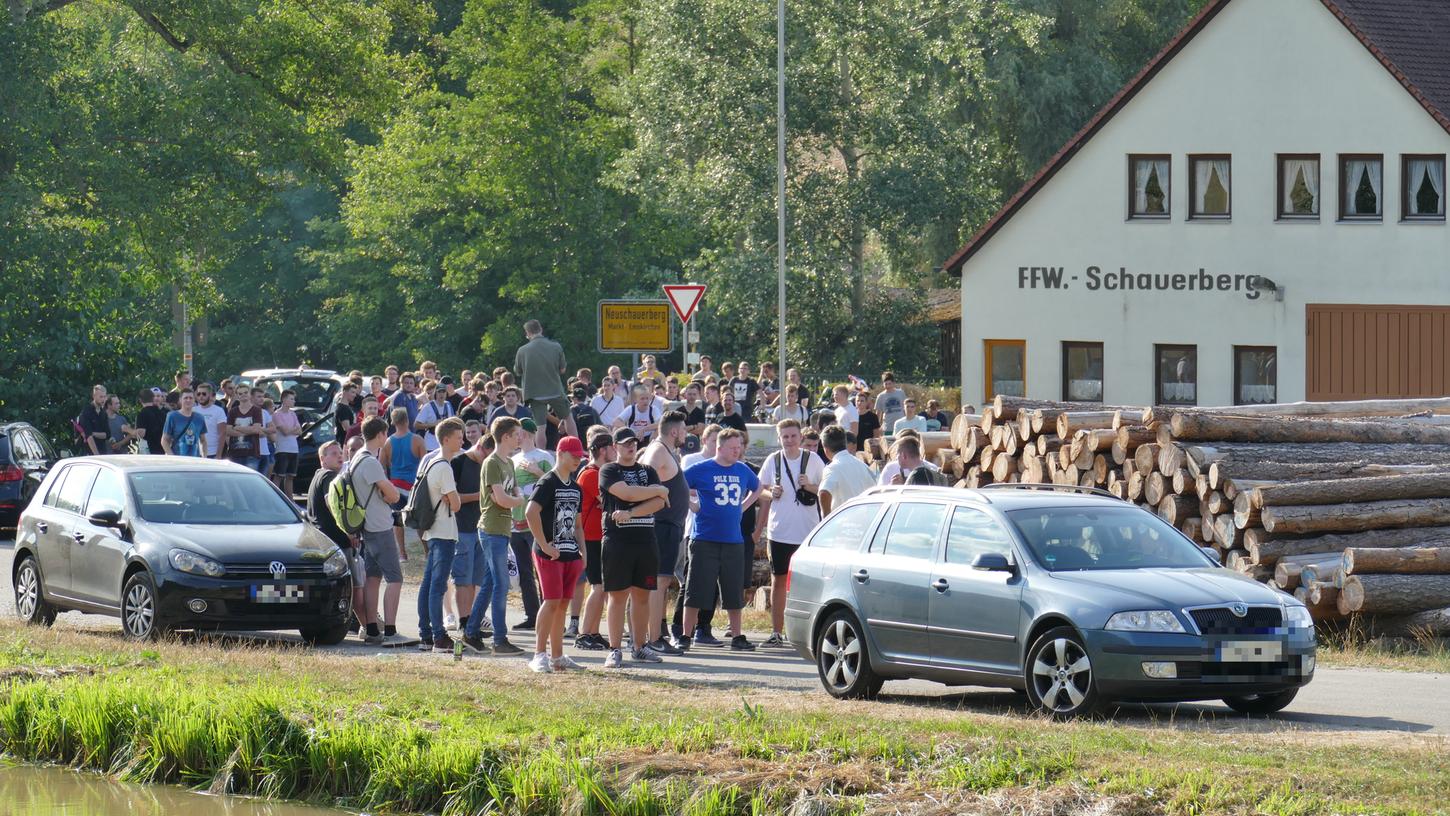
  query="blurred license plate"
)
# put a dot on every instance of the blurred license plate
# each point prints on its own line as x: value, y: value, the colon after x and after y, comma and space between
x: 279, y: 593
x: 1251, y: 651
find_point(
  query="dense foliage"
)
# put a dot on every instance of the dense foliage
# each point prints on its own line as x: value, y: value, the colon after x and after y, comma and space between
x: 355, y: 182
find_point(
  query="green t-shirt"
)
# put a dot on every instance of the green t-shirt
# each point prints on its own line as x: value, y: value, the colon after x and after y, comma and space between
x: 496, y: 518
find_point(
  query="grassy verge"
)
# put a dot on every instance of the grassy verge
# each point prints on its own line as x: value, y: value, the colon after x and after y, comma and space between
x: 1352, y: 647
x: 426, y: 735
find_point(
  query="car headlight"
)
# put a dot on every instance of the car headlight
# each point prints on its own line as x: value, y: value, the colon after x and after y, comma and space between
x: 188, y: 561
x: 1298, y: 617
x: 1154, y: 620
x: 336, y: 564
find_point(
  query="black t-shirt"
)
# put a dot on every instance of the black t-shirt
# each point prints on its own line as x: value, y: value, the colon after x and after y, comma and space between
x: 153, y: 421
x: 744, y: 390
x: 318, y: 511
x: 694, y: 416
x: 344, y: 413
x: 467, y: 476
x: 559, y: 504
x: 716, y: 415
x: 636, y: 530
x: 748, y: 517
x: 456, y: 400
x: 475, y: 410
x: 868, y: 425
x: 585, y: 417
x: 94, y: 421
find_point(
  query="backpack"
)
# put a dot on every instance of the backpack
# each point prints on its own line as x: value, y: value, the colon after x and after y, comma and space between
x: 924, y: 475
x: 343, y: 504
x: 421, y: 511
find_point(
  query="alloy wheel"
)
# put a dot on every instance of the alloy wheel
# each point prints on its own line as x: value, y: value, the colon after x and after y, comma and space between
x: 1062, y: 675
x: 840, y: 655
x: 139, y: 610
x: 27, y: 591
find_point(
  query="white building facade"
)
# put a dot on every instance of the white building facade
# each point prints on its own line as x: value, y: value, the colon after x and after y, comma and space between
x: 1258, y: 217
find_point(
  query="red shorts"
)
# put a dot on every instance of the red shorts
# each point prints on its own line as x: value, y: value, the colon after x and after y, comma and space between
x: 557, y: 579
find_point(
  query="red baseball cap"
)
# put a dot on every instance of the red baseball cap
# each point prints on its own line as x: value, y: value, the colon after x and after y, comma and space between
x: 572, y: 446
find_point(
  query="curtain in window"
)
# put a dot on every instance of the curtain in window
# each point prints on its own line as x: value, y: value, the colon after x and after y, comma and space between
x: 1142, y: 172
x: 1204, y: 171
x: 1294, y: 169
x: 1376, y: 183
x: 1420, y: 169
x: 1356, y: 171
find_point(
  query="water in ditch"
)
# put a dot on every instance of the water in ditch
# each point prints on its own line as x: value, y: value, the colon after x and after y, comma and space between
x: 35, y: 791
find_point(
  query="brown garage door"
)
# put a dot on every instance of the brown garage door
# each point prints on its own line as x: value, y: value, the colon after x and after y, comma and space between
x: 1363, y: 352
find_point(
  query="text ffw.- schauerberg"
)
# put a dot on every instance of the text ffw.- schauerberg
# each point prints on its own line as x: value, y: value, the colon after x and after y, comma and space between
x: 1095, y: 279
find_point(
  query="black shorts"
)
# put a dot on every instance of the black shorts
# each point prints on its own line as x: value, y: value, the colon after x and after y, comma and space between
x: 630, y: 560
x: 593, y: 566
x: 286, y: 465
x: 780, y: 555
x: 667, y: 541
x: 716, y: 564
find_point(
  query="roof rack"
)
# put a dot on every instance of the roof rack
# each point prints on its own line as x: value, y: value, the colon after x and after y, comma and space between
x: 877, y: 490
x: 1096, y: 491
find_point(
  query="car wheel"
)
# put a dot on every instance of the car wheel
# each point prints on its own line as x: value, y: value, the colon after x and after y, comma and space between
x: 1261, y: 703
x: 1059, y: 675
x: 140, y: 618
x: 30, y: 600
x: 324, y: 635
x: 842, y: 661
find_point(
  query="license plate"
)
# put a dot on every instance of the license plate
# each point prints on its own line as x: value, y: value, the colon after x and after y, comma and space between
x: 1251, y: 651
x: 279, y: 593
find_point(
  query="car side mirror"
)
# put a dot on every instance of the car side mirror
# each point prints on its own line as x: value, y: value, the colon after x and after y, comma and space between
x: 65, y: 453
x: 106, y: 518
x: 993, y: 562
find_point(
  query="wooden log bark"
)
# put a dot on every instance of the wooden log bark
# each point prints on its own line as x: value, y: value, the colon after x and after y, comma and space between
x: 1323, y: 602
x: 1338, y: 460
x: 1145, y: 459
x: 1119, y: 489
x: 1327, y: 572
x: 1083, y: 459
x: 1100, y: 469
x: 1194, y: 427
x: 1286, y: 575
x: 1048, y: 443
x: 1193, y: 528
x: 1225, y: 532
x: 1183, y: 483
x: 1033, y: 470
x: 1217, y: 504
x: 1207, y: 524
x: 1398, y: 561
x: 1170, y: 457
x: 1135, y: 486
x: 1003, y: 468
x: 1124, y: 417
x: 1178, y: 510
x: 1396, y: 594
x: 1354, y: 408
x: 1430, y: 623
x: 1267, y: 550
x: 1005, y: 408
x: 1339, y: 491
x: 1357, y: 516
x: 1154, y: 491
x: 1071, y: 422
x: 1092, y: 441
x: 1201, y: 488
x: 972, y: 441
x: 1245, y: 516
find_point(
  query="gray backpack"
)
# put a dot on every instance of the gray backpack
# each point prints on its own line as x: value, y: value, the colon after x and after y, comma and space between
x: 422, y: 511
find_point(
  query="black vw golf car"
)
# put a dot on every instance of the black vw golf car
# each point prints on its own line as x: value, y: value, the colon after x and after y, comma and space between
x: 169, y: 543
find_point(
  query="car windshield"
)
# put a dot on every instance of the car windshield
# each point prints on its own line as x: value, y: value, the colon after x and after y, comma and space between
x: 198, y: 497
x: 1104, y: 538
x: 314, y: 393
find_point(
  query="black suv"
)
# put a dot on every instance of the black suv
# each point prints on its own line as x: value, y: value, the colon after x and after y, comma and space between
x: 25, y: 457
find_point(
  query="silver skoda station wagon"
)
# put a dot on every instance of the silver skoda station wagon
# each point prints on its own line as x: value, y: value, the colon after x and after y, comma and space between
x: 1069, y: 594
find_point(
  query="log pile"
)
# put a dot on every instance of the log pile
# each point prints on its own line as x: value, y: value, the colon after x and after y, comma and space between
x: 1346, y: 505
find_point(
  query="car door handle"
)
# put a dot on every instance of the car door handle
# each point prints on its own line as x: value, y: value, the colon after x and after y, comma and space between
x: 79, y: 537
x: 940, y: 585
x: 42, y: 527
x: 861, y: 576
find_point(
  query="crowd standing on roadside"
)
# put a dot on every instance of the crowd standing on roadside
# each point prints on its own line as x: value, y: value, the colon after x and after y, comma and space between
x: 598, y: 498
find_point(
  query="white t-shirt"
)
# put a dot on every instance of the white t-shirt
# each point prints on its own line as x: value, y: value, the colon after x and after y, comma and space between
x: 917, y: 423
x: 440, y: 483
x: 790, y: 521
x: 264, y: 445
x: 429, y: 413
x: 541, y: 459
x: 782, y: 412
x: 846, y: 416
x: 609, y: 410
x: 892, y: 470
x: 845, y: 478
x: 214, y: 416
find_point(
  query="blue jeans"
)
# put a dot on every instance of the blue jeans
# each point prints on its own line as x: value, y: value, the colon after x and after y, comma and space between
x: 494, y: 591
x: 435, y: 584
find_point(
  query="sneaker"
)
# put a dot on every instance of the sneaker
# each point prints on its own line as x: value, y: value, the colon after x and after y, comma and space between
x: 506, y: 648
x: 566, y: 663
x: 572, y: 630
x: 615, y: 660
x: 704, y: 638
x: 396, y: 640
x: 775, y: 641
x: 682, y: 643
x: 526, y: 626
x: 485, y: 631
x: 740, y: 644
x: 541, y: 664
x: 443, y: 643
x: 662, y: 646
x: 646, y: 655
x: 450, y: 622
x: 353, y: 627
x: 475, y: 643
x: 593, y: 643
x: 373, y: 640
x: 425, y: 645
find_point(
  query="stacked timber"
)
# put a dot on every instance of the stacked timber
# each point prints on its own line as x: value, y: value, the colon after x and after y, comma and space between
x: 1344, y: 504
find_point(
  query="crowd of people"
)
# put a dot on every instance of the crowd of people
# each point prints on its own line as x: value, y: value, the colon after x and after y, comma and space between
x: 600, y: 498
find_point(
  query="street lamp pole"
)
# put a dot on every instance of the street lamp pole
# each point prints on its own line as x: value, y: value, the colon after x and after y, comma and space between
x: 780, y: 181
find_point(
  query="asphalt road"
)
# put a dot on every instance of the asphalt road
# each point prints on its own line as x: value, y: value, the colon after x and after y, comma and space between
x: 1336, y: 700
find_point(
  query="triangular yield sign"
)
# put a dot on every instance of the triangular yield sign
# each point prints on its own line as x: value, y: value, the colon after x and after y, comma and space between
x: 685, y: 297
